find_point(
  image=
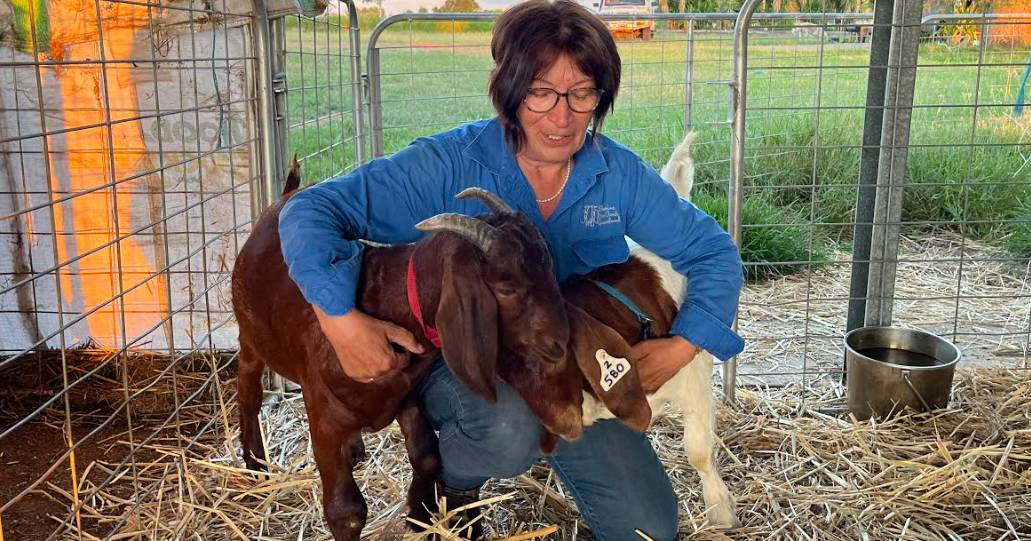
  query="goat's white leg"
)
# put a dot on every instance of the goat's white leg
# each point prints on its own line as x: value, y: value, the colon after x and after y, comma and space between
x: 697, y: 405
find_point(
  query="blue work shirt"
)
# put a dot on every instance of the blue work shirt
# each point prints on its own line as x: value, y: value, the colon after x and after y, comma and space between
x: 611, y: 194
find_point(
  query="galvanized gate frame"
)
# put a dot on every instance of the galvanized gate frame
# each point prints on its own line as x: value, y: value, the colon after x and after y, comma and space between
x: 891, y: 82
x: 890, y: 86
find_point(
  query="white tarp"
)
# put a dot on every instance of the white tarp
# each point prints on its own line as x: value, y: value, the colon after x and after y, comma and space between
x: 181, y: 151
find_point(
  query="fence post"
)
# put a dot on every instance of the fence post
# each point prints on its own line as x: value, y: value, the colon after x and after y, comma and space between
x: 372, y: 82
x: 688, y: 76
x: 271, y: 141
x: 277, y: 65
x: 898, y: 113
x: 880, y: 45
x: 357, y: 96
x: 372, y: 85
x: 739, y: 98
x: 266, y: 194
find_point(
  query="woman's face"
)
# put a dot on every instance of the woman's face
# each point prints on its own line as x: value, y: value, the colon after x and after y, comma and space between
x: 556, y: 135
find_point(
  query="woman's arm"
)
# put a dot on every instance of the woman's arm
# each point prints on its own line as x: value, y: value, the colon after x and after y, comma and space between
x: 699, y: 249
x: 380, y: 201
x: 319, y: 230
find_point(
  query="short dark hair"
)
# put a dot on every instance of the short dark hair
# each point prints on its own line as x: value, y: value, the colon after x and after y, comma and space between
x: 527, y: 40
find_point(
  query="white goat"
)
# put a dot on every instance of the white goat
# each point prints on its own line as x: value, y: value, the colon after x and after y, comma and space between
x: 690, y: 390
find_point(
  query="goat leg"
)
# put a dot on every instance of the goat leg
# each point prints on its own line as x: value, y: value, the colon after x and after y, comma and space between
x: 424, y: 455
x: 358, y: 449
x: 248, y: 388
x: 700, y: 439
x: 332, y: 444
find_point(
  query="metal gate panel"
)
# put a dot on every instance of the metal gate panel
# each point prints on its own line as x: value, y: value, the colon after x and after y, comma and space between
x: 948, y: 266
x: 129, y: 159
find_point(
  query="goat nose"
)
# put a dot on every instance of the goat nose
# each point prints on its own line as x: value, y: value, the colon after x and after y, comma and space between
x: 573, y: 426
x: 573, y: 434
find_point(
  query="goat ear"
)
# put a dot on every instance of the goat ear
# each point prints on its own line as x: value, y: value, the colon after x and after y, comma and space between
x: 293, y: 178
x: 467, y: 318
x: 604, y: 359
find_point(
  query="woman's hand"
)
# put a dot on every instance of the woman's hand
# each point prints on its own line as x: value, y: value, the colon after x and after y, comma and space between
x: 659, y: 359
x: 363, y: 344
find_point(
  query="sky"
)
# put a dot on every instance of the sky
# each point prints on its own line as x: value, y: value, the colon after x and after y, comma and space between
x: 401, y: 6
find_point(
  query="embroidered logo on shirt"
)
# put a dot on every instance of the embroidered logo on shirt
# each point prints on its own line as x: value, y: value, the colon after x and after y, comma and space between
x: 599, y: 215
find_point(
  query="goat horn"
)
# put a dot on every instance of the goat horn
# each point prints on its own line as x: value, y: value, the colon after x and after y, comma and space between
x: 472, y: 229
x: 490, y: 199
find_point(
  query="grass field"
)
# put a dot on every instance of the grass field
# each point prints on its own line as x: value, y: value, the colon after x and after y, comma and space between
x: 968, y: 164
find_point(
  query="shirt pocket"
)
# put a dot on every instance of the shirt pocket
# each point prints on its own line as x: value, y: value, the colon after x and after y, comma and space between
x: 598, y: 252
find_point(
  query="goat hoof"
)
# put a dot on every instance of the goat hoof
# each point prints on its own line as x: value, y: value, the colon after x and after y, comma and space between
x: 473, y: 531
x: 420, y: 511
x: 722, y: 519
x: 255, y: 466
x: 422, y: 502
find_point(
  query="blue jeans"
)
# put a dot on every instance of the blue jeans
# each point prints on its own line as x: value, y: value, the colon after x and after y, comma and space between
x: 613, y: 473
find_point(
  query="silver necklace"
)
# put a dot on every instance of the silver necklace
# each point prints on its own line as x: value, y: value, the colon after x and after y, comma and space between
x: 569, y: 169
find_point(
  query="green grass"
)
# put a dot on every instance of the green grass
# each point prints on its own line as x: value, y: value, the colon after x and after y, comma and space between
x: 804, y: 129
x: 775, y: 240
x: 1019, y: 240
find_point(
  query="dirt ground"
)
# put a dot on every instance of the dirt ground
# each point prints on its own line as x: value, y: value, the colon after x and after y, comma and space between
x: 25, y: 457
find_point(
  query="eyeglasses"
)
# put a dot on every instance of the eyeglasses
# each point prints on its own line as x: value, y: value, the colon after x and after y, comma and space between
x: 580, y: 100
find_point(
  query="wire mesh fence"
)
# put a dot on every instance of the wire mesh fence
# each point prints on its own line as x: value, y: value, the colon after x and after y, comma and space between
x: 133, y: 156
x: 319, y: 96
x: 128, y: 160
x: 806, y: 105
x: 955, y: 241
x: 429, y: 72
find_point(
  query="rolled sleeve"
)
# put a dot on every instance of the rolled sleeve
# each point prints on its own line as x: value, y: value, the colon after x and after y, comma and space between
x: 706, y: 332
x: 697, y: 247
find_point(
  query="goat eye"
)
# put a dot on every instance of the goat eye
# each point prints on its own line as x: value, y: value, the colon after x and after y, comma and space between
x: 506, y: 291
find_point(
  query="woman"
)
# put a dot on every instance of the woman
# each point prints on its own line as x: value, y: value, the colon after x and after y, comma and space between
x: 556, y: 72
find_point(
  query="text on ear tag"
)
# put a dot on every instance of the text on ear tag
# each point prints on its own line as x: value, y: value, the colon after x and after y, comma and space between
x: 612, y: 368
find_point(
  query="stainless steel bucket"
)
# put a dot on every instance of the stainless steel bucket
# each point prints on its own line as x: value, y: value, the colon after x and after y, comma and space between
x: 890, y: 368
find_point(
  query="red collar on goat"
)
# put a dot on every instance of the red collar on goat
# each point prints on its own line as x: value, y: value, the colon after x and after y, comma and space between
x: 413, y: 300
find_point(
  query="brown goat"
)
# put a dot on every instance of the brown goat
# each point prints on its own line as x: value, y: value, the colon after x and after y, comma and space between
x: 580, y: 376
x: 485, y: 284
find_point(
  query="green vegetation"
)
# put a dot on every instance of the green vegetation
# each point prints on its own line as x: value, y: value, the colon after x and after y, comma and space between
x: 775, y: 241
x: 1019, y: 241
x: 804, y: 126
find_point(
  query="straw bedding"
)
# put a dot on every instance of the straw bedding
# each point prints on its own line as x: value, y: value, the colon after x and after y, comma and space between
x: 799, y: 470
x: 799, y: 467
x: 972, y: 293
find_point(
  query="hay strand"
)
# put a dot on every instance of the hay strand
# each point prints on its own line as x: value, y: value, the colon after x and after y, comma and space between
x: 797, y: 471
